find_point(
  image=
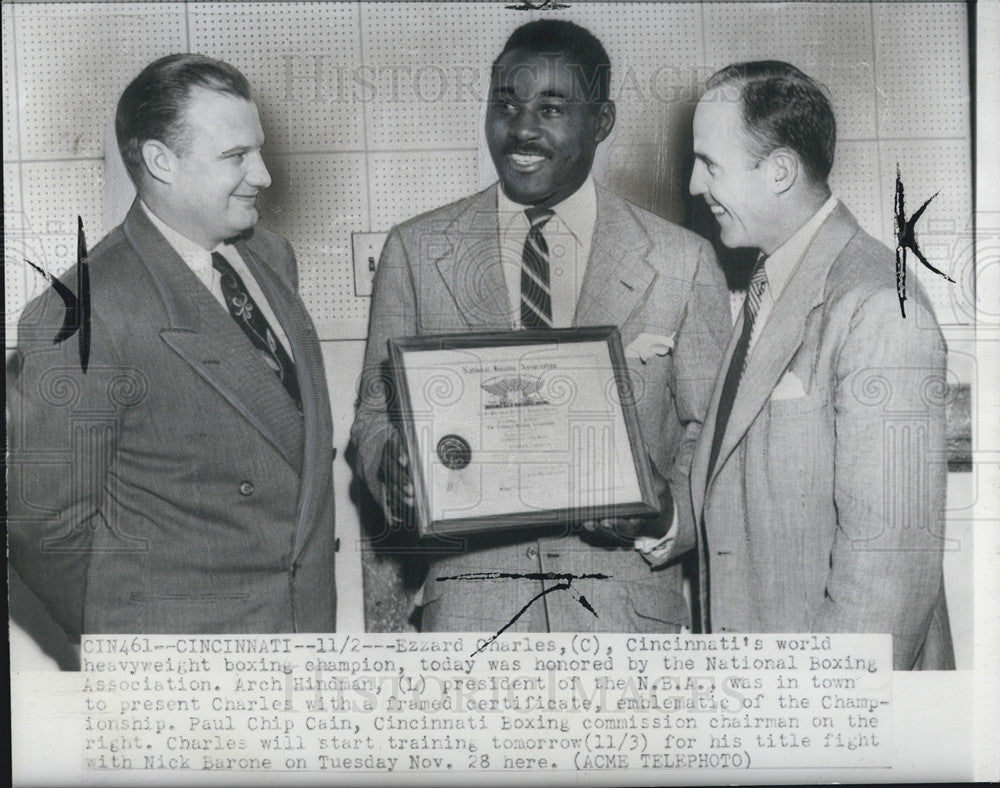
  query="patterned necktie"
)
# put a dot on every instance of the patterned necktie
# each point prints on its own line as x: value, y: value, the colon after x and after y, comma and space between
x: 536, y: 298
x: 755, y: 292
x: 244, y: 310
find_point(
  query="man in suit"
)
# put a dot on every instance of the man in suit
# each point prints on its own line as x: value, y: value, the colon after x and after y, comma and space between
x: 181, y: 481
x: 473, y: 266
x: 819, y: 478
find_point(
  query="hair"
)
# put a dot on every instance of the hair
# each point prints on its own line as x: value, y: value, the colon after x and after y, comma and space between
x: 558, y: 37
x: 783, y: 108
x: 152, y: 106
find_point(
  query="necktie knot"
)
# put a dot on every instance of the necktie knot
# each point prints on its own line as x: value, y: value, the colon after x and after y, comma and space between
x: 537, y: 217
x: 755, y: 289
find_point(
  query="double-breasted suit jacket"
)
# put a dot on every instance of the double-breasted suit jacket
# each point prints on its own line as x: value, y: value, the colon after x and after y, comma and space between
x: 174, y: 486
x: 441, y: 273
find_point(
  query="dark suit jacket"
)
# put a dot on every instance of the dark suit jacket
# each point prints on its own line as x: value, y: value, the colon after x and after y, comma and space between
x: 173, y: 487
x: 442, y: 272
x: 825, y: 511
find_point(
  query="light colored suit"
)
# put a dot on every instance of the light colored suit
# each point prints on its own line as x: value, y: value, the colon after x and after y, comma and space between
x: 825, y: 511
x: 440, y: 273
x: 174, y: 486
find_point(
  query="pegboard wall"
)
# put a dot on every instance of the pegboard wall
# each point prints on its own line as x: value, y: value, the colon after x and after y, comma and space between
x: 373, y: 114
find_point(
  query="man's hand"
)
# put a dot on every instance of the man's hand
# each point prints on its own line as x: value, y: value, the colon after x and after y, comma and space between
x: 625, y: 530
x: 397, y: 479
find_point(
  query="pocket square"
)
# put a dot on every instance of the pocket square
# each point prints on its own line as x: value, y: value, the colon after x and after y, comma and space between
x: 789, y: 387
x: 645, y: 346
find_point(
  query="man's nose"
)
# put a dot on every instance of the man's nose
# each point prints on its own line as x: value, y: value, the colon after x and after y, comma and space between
x: 524, y: 125
x: 697, y: 183
x: 258, y: 175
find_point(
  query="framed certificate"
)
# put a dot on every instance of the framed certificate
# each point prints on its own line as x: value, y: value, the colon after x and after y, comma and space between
x: 520, y: 428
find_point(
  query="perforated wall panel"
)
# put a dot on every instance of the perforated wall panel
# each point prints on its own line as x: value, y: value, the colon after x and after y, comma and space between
x: 400, y: 183
x: 373, y: 111
x: 317, y: 200
x: 852, y: 180
x: 54, y: 194
x: 922, y: 68
x: 11, y: 145
x: 299, y: 58
x: 429, y: 65
x: 73, y: 62
x: 832, y: 42
x: 16, y: 247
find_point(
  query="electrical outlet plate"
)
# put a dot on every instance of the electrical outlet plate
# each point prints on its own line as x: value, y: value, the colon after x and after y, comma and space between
x: 366, y: 248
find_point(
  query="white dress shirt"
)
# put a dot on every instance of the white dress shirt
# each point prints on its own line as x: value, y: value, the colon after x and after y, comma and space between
x: 199, y: 260
x: 781, y: 264
x: 568, y: 234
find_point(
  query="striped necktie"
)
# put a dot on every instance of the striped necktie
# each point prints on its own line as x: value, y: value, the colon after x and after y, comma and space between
x: 755, y: 292
x: 536, y: 297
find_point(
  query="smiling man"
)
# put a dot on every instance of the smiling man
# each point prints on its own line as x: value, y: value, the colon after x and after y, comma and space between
x: 546, y: 247
x: 819, y: 479
x: 183, y: 482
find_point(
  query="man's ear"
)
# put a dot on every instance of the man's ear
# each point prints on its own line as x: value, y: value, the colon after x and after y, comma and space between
x: 160, y: 161
x: 605, y: 120
x: 783, y: 170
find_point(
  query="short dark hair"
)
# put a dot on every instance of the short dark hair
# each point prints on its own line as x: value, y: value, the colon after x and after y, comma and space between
x: 558, y: 37
x: 784, y: 108
x: 152, y: 106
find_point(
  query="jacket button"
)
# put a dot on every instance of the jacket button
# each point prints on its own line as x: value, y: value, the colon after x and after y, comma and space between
x: 246, y: 488
x: 533, y: 552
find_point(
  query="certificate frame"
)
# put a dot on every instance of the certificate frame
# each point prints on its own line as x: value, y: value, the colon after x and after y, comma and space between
x: 641, y: 503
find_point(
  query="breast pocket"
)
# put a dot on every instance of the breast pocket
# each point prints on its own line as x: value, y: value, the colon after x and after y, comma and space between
x: 798, y: 447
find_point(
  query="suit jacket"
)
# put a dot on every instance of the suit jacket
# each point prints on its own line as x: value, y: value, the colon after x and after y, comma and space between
x: 825, y: 511
x: 174, y: 486
x: 441, y: 272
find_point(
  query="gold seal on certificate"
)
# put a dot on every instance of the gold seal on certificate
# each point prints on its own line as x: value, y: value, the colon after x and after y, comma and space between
x: 454, y: 452
x: 520, y: 428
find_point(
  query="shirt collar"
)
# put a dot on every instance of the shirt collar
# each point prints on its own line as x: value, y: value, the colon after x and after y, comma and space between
x: 578, y: 212
x: 781, y: 264
x: 195, y: 255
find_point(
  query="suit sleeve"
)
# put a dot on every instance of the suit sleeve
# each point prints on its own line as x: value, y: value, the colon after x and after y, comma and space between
x: 695, y: 370
x: 890, y: 476
x: 697, y: 356
x: 62, y: 436
x: 393, y: 314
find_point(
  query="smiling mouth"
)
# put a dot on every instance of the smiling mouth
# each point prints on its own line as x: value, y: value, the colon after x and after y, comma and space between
x: 526, y: 162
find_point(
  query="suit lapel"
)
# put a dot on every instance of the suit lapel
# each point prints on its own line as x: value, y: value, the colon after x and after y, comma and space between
x: 471, y: 267
x: 202, y: 334
x: 782, y: 335
x: 617, y: 275
x: 699, y: 462
x: 316, y: 412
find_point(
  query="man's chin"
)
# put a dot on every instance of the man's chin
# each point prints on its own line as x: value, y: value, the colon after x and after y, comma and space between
x: 523, y: 189
x: 242, y: 230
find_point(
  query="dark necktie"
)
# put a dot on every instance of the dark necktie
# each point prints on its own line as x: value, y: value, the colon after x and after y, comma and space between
x: 536, y: 297
x: 755, y: 291
x: 244, y: 310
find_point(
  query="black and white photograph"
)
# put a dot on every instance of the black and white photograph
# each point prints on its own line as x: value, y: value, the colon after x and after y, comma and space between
x: 544, y: 392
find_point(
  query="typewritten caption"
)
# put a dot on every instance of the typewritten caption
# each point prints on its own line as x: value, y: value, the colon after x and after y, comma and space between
x: 559, y: 702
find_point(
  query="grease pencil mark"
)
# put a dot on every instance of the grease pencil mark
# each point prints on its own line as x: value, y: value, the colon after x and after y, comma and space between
x: 77, y: 316
x: 565, y: 585
x: 545, y: 5
x: 906, y: 239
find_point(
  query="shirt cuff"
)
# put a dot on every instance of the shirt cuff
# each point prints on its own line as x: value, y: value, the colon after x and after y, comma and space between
x: 656, y: 550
